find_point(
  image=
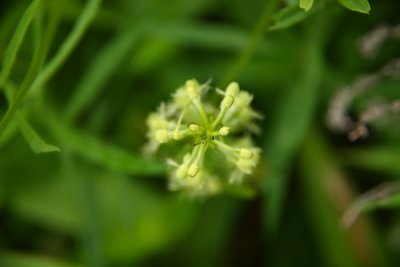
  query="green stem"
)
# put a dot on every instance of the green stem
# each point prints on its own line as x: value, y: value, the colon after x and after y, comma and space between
x: 247, y: 53
x: 54, y: 65
x: 16, y: 40
x: 180, y: 120
x: 200, y: 109
x: 224, y: 146
x: 219, y: 118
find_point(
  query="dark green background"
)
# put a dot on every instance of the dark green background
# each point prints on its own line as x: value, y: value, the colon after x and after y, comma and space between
x: 99, y: 202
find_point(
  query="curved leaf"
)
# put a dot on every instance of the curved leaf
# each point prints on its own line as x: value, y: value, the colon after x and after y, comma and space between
x: 361, y: 6
x: 37, y: 144
x: 306, y: 4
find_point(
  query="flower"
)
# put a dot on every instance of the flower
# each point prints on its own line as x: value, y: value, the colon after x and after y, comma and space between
x: 211, y: 155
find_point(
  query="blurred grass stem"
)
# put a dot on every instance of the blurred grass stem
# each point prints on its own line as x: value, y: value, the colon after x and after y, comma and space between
x: 246, y: 54
x: 87, y: 16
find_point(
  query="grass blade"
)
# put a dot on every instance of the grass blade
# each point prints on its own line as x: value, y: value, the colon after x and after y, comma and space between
x: 54, y: 65
x: 289, y: 126
x: 361, y: 6
x: 16, y: 40
x: 25, y: 260
x: 102, y: 68
x: 94, y: 150
x: 306, y: 4
x: 37, y: 144
x: 315, y: 170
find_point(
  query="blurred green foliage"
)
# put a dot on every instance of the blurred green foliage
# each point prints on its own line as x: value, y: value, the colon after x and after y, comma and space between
x: 78, y: 79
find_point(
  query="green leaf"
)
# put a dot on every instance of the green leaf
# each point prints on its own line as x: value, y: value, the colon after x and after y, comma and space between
x: 94, y: 150
x: 306, y: 4
x: 289, y: 16
x: 361, y: 6
x: 379, y: 158
x: 318, y: 174
x: 56, y: 62
x: 55, y: 203
x: 289, y: 126
x: 16, y: 40
x: 37, y: 144
x: 68, y: 46
x: 101, y: 69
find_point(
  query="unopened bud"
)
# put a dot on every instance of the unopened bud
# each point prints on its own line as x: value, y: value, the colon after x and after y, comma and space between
x: 181, y: 172
x: 245, y: 165
x: 193, y: 170
x: 161, y: 136
x: 194, y: 127
x: 227, y: 101
x: 192, y: 89
x: 246, y: 153
x: 224, y: 131
x: 233, y: 89
x: 177, y: 135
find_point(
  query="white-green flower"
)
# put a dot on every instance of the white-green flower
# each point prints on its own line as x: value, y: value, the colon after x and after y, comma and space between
x: 209, y: 150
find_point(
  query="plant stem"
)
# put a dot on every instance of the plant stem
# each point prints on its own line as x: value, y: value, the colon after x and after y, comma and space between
x: 247, y: 53
x: 54, y: 65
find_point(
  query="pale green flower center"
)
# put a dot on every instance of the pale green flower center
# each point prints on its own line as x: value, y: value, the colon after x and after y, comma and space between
x: 188, y: 117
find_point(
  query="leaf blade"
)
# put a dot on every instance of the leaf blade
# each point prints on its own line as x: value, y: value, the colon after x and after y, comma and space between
x: 289, y: 16
x: 361, y: 6
x: 99, y: 152
x: 306, y: 4
x: 17, y: 39
x: 37, y: 144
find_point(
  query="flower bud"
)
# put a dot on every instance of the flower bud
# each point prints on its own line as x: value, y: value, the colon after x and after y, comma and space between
x: 245, y: 165
x: 193, y: 170
x: 177, y: 135
x: 245, y: 153
x: 194, y: 127
x: 161, y: 136
x: 233, y: 89
x: 224, y: 131
x: 182, y: 171
x: 227, y: 101
x: 192, y: 89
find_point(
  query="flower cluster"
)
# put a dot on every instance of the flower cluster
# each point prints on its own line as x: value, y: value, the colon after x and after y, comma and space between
x: 203, y: 133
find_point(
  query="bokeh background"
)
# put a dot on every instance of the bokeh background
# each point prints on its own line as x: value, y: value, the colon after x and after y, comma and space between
x: 99, y: 202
